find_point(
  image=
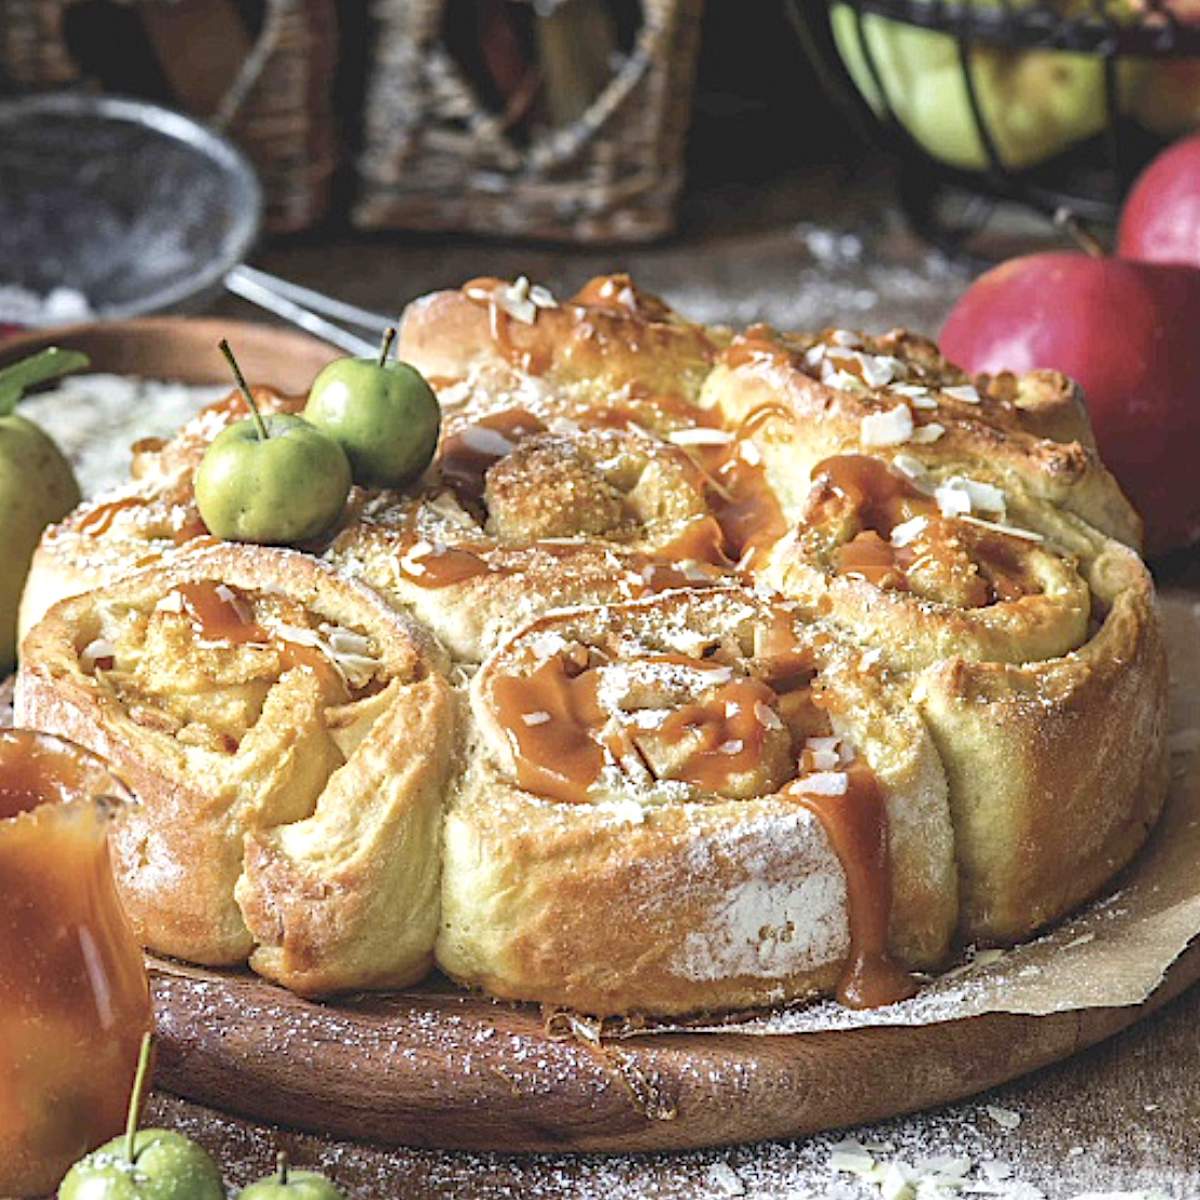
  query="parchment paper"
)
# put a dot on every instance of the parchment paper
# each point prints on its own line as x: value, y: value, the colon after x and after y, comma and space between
x: 1113, y: 953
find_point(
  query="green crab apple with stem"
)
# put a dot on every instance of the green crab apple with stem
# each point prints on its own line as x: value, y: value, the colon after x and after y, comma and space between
x: 273, y: 480
x: 382, y: 413
x: 288, y: 1184
x: 37, y: 485
x: 144, y: 1164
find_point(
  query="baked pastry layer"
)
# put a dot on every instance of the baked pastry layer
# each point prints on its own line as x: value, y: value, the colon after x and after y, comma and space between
x: 949, y: 566
x: 652, y: 815
x: 290, y: 737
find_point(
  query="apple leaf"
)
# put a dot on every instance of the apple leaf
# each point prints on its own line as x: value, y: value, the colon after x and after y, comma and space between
x: 50, y: 363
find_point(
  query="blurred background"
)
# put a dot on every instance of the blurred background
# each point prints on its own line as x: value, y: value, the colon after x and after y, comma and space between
x: 787, y: 160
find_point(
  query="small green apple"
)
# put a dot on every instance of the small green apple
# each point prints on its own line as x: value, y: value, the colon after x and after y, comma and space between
x: 37, y: 485
x: 382, y: 413
x: 273, y: 482
x: 287, y: 1184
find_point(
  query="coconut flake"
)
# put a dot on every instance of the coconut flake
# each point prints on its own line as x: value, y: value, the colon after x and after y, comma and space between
x: 479, y: 439
x: 750, y: 454
x: 535, y: 718
x: 766, y: 716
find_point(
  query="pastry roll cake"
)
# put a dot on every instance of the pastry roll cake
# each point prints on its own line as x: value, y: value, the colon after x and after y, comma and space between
x: 794, y: 660
x: 694, y: 801
x: 290, y: 737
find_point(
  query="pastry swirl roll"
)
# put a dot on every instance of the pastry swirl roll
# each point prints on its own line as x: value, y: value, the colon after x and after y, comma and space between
x: 1057, y: 767
x: 290, y: 737
x: 492, y: 343
x: 521, y: 521
x: 881, y: 555
x: 813, y: 398
x: 150, y: 520
x: 693, y: 801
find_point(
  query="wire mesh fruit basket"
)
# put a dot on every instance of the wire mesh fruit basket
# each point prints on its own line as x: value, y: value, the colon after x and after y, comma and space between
x: 1046, y: 102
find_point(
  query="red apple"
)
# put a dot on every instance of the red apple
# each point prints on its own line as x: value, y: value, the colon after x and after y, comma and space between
x: 1161, y: 218
x: 1129, y: 333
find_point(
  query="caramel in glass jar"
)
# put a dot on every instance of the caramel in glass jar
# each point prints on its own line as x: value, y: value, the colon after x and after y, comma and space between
x: 74, y: 999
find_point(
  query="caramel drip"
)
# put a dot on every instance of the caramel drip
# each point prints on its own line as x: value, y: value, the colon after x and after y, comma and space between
x: 99, y: 520
x: 702, y: 540
x: 758, y: 346
x: 467, y: 453
x: 217, y: 618
x: 552, y: 720
x: 877, y: 561
x: 726, y: 731
x: 444, y: 566
x: 100, y: 517
x: 618, y: 294
x: 856, y: 825
x: 991, y: 570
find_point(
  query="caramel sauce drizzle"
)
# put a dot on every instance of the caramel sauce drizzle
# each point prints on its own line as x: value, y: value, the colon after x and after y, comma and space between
x: 559, y: 734
x: 557, y: 750
x: 100, y: 519
x: 534, y: 359
x: 883, y: 499
x: 466, y: 454
x: 726, y: 732
x: 218, y: 618
x: 856, y: 825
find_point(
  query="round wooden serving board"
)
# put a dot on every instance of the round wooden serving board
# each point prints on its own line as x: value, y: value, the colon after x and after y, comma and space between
x: 436, y: 1067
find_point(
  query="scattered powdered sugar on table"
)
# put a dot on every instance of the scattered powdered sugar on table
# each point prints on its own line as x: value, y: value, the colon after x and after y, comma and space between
x: 95, y: 418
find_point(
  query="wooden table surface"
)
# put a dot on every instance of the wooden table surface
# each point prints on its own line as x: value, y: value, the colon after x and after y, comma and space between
x: 824, y: 249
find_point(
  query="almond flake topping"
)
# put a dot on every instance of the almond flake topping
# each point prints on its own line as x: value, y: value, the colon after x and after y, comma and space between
x: 766, y: 716
x: 701, y: 435
x: 962, y: 391
x: 1011, y: 530
x: 891, y: 428
x: 959, y: 495
x: 908, y: 531
x: 733, y: 746
x: 479, y: 439
x: 535, y: 718
x: 96, y: 652
x: 823, y: 783
x: 750, y: 453
x: 923, y: 435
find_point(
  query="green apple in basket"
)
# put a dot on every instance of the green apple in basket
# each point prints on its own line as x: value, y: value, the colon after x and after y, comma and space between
x: 37, y: 485
x: 1036, y: 103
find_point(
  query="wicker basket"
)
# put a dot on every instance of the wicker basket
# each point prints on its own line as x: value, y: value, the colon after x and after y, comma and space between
x: 435, y: 157
x: 275, y: 89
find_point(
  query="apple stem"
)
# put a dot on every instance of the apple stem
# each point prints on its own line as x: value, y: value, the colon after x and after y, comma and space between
x: 1078, y: 232
x: 281, y: 1165
x: 259, y: 423
x: 135, y: 1098
x: 389, y: 336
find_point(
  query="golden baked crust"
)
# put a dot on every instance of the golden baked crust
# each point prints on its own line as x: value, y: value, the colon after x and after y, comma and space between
x: 290, y: 737
x: 946, y: 557
x: 688, y: 876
